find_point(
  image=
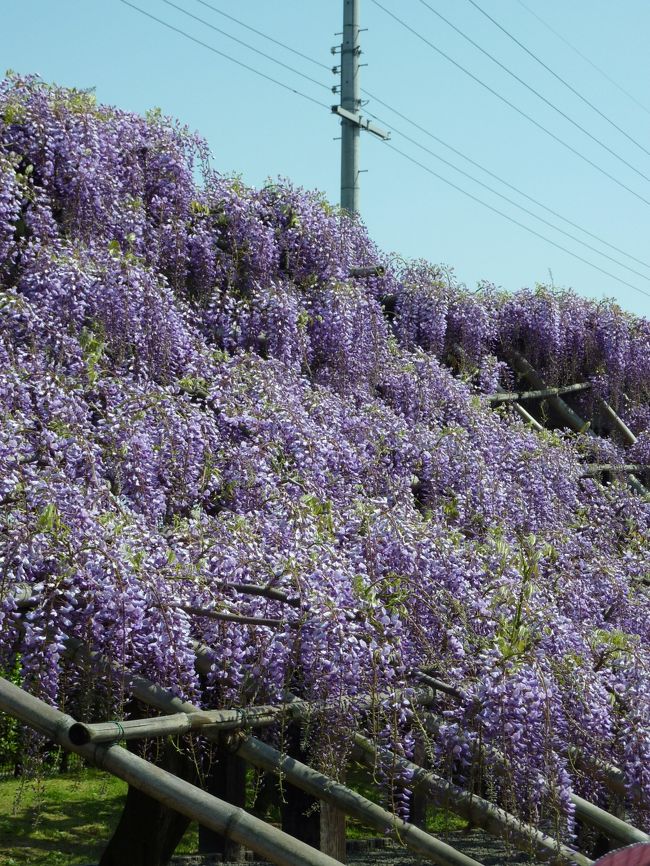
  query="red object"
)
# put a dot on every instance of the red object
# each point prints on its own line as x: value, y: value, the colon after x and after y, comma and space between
x: 633, y: 855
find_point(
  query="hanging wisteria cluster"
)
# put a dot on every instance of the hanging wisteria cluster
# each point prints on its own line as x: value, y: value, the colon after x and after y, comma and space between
x: 194, y: 394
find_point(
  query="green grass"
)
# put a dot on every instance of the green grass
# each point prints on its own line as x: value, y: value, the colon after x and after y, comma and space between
x: 63, y: 820
x: 438, y: 821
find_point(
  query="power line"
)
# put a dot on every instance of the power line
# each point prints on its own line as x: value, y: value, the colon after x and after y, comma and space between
x: 264, y: 35
x: 397, y: 150
x: 246, y: 45
x: 512, y: 105
x: 536, y: 92
x: 225, y: 56
x: 428, y: 133
x: 510, y: 200
x: 584, y: 57
x: 558, y: 77
x: 497, y: 177
x: 512, y: 219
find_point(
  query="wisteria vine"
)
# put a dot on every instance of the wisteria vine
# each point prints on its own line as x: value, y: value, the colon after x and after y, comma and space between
x: 195, y: 393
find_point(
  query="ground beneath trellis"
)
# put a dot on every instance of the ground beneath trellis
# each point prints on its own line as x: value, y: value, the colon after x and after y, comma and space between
x: 382, y: 852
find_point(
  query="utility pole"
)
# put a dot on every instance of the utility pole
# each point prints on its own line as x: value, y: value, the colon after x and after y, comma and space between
x: 349, y: 110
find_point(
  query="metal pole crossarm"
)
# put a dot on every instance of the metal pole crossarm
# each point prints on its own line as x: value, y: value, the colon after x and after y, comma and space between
x: 360, y: 121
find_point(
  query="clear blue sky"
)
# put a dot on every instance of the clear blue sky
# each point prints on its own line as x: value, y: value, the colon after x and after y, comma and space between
x: 258, y: 130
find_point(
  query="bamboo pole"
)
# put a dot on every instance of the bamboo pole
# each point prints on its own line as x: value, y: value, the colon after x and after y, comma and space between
x: 591, y: 814
x: 570, y: 418
x: 315, y: 783
x: 230, y: 821
x: 478, y: 811
x: 597, y: 468
x: 323, y: 788
x: 154, y: 695
x: 618, y: 422
x: 613, y: 777
x: 527, y: 417
x: 174, y: 725
x: 612, y: 826
x: 540, y: 394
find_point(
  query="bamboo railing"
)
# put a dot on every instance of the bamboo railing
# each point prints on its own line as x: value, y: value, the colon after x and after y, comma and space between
x: 183, y: 717
x: 228, y: 820
x: 568, y: 415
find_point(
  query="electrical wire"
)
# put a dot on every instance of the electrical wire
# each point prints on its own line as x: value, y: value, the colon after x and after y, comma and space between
x: 265, y: 35
x: 402, y: 153
x: 247, y: 45
x: 559, y: 77
x: 422, y: 129
x: 512, y: 219
x: 541, y: 95
x: 225, y: 56
x: 584, y: 57
x: 506, y: 183
x: 513, y: 106
x: 509, y: 200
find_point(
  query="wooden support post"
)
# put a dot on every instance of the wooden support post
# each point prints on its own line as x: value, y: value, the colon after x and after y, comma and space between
x: 154, y: 695
x: 299, y: 810
x: 324, y: 788
x: 489, y: 817
x: 226, y: 780
x: 149, y: 831
x: 332, y: 832
x: 418, y: 800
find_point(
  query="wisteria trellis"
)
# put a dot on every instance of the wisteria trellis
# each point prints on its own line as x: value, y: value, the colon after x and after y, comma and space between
x: 193, y: 391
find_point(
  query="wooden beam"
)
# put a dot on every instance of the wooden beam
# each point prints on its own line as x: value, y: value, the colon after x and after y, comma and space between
x: 265, y: 591
x: 229, y: 617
